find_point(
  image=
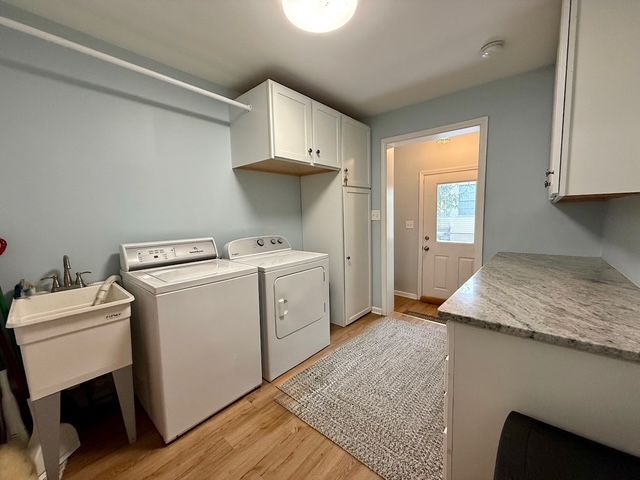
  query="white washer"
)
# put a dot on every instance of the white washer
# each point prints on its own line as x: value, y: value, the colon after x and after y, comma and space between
x: 294, y: 300
x: 195, y: 330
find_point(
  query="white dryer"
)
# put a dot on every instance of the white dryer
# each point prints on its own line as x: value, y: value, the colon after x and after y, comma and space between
x: 294, y: 300
x: 195, y: 330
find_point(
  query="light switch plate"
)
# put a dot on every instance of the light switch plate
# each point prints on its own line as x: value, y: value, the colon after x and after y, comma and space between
x: 375, y: 214
x: 408, y: 224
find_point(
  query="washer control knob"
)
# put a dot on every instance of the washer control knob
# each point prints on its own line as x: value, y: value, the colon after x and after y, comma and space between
x: 273, y: 241
x: 279, y: 240
x: 260, y: 242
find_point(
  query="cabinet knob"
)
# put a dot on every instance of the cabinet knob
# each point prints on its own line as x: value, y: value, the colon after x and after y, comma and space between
x: 425, y: 248
x: 310, y: 151
x: 548, y: 172
x: 349, y: 257
x: 547, y: 184
x: 318, y: 152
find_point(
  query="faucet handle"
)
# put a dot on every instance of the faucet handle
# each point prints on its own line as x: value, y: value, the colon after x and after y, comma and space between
x: 55, y: 282
x: 79, y: 280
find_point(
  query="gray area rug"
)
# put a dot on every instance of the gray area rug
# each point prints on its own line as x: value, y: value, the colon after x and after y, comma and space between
x: 380, y: 397
x: 424, y: 316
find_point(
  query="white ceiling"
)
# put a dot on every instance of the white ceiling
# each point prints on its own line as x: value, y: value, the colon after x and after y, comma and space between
x: 392, y: 53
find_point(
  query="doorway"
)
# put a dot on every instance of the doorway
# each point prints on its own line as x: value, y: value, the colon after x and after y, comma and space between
x: 438, y: 244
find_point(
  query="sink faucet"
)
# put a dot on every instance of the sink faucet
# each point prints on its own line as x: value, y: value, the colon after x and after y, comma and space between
x: 67, y: 283
x: 67, y: 271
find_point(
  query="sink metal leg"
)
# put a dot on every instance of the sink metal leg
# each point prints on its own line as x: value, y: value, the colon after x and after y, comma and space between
x: 46, y: 412
x: 123, y: 379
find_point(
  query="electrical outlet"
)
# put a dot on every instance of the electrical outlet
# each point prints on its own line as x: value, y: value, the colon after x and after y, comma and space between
x: 409, y: 224
x: 375, y: 215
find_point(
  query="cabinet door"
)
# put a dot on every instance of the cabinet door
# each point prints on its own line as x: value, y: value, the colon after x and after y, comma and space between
x: 357, y: 247
x: 595, y: 151
x: 560, y: 97
x: 291, y: 124
x: 326, y: 136
x: 356, y: 157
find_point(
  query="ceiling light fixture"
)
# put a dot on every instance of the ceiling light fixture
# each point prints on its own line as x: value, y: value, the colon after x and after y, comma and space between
x: 491, y: 48
x: 442, y: 141
x: 319, y: 16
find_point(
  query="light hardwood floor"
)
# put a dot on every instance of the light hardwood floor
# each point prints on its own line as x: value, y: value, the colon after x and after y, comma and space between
x: 403, y: 305
x: 253, y: 439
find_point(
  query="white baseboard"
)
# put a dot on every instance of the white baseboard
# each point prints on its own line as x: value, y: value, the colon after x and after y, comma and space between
x: 412, y: 296
x: 376, y: 310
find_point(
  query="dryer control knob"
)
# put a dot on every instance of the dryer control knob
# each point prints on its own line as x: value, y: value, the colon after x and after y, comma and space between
x: 279, y: 240
x: 273, y: 241
x: 260, y: 242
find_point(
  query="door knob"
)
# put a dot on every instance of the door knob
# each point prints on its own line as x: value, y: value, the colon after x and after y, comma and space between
x: 425, y: 248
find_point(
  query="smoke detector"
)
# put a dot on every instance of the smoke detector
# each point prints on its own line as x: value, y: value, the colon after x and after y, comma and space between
x: 491, y: 48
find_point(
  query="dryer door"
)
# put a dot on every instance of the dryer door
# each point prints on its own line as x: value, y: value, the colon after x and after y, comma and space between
x: 300, y: 300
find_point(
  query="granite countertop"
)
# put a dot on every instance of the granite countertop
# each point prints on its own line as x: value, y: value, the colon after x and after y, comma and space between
x: 576, y: 302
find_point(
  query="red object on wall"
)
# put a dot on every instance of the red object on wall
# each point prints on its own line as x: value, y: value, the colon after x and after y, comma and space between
x: 3, y: 245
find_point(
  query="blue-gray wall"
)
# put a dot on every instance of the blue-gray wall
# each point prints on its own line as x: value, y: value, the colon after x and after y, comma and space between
x: 92, y: 155
x: 518, y: 216
x: 621, y: 239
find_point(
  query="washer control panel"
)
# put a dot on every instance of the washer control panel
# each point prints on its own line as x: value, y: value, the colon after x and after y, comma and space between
x: 134, y: 256
x: 256, y: 245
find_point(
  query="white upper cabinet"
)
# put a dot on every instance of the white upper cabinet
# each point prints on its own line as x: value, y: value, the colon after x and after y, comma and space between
x: 356, y: 154
x: 326, y: 135
x: 594, y: 151
x: 292, y: 119
x: 285, y: 132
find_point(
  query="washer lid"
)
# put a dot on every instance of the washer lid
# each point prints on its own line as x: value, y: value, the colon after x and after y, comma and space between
x: 282, y: 259
x: 177, y: 277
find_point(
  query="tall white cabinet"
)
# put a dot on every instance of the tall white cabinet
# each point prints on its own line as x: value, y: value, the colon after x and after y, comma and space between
x: 336, y: 213
x: 356, y: 204
x: 594, y: 151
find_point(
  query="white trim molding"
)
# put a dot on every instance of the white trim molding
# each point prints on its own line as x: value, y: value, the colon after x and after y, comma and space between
x: 387, y: 146
x: 376, y: 310
x: 400, y: 293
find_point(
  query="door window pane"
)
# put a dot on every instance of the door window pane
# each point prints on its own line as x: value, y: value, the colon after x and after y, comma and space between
x: 456, y: 212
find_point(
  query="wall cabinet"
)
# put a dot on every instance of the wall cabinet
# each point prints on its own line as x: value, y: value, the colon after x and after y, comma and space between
x: 356, y: 153
x: 336, y: 220
x: 285, y: 132
x: 594, y: 152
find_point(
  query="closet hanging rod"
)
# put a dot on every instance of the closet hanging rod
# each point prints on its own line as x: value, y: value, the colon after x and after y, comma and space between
x: 21, y: 27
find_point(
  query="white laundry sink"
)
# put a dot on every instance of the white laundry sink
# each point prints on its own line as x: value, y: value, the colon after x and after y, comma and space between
x: 65, y: 340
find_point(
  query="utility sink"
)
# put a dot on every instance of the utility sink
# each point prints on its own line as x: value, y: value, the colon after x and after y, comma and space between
x: 65, y: 340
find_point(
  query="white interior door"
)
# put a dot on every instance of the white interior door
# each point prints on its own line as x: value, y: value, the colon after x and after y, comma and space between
x: 291, y: 124
x: 326, y: 135
x: 448, y: 231
x: 357, y: 245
